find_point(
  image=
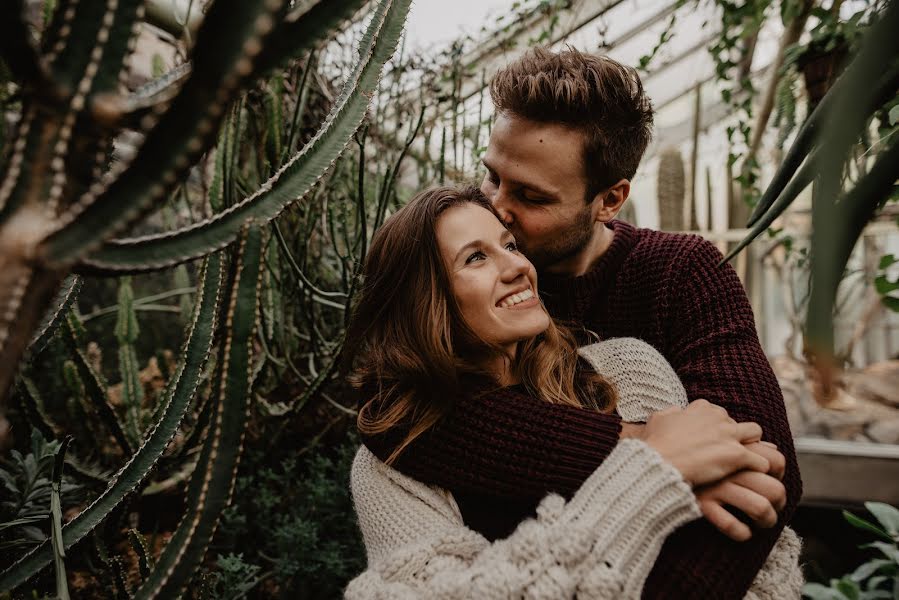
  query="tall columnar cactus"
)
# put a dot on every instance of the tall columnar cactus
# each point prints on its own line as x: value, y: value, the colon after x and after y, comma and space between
x: 59, y: 211
x: 672, y: 188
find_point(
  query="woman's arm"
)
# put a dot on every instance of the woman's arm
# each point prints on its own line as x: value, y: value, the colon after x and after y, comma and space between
x: 600, y: 544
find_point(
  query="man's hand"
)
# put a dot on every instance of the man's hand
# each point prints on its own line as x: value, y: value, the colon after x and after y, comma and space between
x: 758, y: 495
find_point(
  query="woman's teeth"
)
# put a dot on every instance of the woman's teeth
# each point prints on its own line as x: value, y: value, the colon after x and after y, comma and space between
x: 516, y: 298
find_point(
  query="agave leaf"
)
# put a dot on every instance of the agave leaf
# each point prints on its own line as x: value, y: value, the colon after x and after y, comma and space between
x: 796, y: 185
x: 867, y: 101
x: 212, y: 483
x: 293, y: 180
x: 179, y: 392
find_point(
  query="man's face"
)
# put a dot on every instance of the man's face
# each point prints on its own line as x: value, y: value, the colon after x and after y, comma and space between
x: 535, y: 180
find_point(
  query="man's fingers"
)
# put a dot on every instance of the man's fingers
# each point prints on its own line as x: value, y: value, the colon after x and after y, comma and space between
x: 749, y: 432
x: 723, y: 521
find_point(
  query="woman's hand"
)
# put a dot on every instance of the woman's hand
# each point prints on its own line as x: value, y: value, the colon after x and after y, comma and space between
x: 703, y: 442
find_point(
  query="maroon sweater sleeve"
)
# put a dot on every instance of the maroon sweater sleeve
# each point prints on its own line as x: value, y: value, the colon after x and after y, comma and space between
x: 506, y: 444
x: 716, y: 353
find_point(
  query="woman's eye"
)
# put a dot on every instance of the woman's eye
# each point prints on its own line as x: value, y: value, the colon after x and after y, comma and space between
x: 475, y: 256
x: 512, y: 247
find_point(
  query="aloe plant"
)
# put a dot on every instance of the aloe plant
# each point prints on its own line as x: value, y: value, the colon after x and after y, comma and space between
x: 818, y: 155
x: 60, y: 209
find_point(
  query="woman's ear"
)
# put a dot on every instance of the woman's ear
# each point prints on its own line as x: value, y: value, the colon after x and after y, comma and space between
x: 610, y: 200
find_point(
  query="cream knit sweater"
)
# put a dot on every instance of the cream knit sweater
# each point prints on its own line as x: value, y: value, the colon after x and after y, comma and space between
x: 600, y: 545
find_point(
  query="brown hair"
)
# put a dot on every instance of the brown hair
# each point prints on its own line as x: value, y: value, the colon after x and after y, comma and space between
x: 411, y: 345
x: 593, y: 94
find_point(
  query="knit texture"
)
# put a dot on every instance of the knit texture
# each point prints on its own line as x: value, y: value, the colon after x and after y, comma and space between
x: 601, y: 544
x: 667, y: 290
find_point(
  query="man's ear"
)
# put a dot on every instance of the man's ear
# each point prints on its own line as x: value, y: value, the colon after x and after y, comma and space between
x: 610, y: 200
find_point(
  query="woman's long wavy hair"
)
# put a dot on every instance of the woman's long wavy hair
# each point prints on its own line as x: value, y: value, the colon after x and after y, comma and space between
x: 409, y: 347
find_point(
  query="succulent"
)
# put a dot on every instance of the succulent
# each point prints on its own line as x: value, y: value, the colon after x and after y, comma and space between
x: 64, y: 197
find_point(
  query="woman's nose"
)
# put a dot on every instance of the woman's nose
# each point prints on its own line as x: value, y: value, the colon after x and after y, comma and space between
x: 515, y: 266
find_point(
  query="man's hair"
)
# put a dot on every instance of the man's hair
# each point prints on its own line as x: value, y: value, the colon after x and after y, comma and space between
x: 593, y: 94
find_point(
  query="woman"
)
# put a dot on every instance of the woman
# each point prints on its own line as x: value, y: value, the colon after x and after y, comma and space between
x: 450, y: 306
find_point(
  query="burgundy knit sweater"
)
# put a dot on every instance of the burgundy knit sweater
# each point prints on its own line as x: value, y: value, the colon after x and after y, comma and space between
x: 501, y: 452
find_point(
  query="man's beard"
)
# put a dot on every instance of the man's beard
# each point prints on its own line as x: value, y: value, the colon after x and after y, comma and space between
x: 563, y: 244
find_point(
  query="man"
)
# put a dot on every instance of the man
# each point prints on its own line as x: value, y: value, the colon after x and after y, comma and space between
x: 570, y: 130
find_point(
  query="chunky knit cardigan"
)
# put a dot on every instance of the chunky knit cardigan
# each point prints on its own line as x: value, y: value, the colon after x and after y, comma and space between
x: 601, y: 544
x: 669, y: 291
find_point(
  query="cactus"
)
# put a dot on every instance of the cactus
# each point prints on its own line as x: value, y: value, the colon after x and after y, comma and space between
x: 58, y: 215
x: 213, y: 480
x: 126, y: 331
x: 180, y: 391
x: 53, y: 213
x: 672, y: 188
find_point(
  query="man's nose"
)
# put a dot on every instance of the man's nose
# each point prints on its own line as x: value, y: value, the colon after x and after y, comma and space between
x: 501, y: 205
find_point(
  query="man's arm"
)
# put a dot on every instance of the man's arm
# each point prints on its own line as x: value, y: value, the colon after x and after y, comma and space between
x: 506, y: 444
x: 715, y: 351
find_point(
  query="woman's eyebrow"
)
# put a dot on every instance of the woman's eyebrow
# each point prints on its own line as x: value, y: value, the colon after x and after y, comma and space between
x: 469, y: 246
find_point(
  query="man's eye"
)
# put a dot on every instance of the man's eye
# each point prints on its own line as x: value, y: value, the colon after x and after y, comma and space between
x: 492, y: 178
x: 475, y: 256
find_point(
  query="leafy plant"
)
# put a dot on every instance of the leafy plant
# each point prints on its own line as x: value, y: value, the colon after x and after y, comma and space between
x: 27, y: 482
x: 876, y: 578
x: 820, y: 154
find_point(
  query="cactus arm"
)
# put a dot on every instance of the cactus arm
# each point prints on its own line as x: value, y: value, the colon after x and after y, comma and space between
x: 212, y: 484
x: 33, y: 407
x: 181, y: 389
x: 293, y: 180
x: 229, y: 40
x: 96, y: 393
x: 114, y: 66
x: 304, y: 25
x: 27, y: 163
x: 144, y: 555
x: 126, y: 332
x: 25, y: 292
x: 153, y: 95
x: 65, y: 298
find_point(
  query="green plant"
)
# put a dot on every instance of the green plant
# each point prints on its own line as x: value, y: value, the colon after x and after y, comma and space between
x: 27, y: 482
x: 820, y: 154
x: 54, y: 219
x: 299, y: 518
x: 876, y: 578
x: 234, y: 577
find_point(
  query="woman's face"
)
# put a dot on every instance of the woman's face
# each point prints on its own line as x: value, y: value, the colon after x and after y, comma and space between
x: 494, y: 285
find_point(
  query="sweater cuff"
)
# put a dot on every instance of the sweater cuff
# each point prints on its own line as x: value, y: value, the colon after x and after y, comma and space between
x: 631, y: 504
